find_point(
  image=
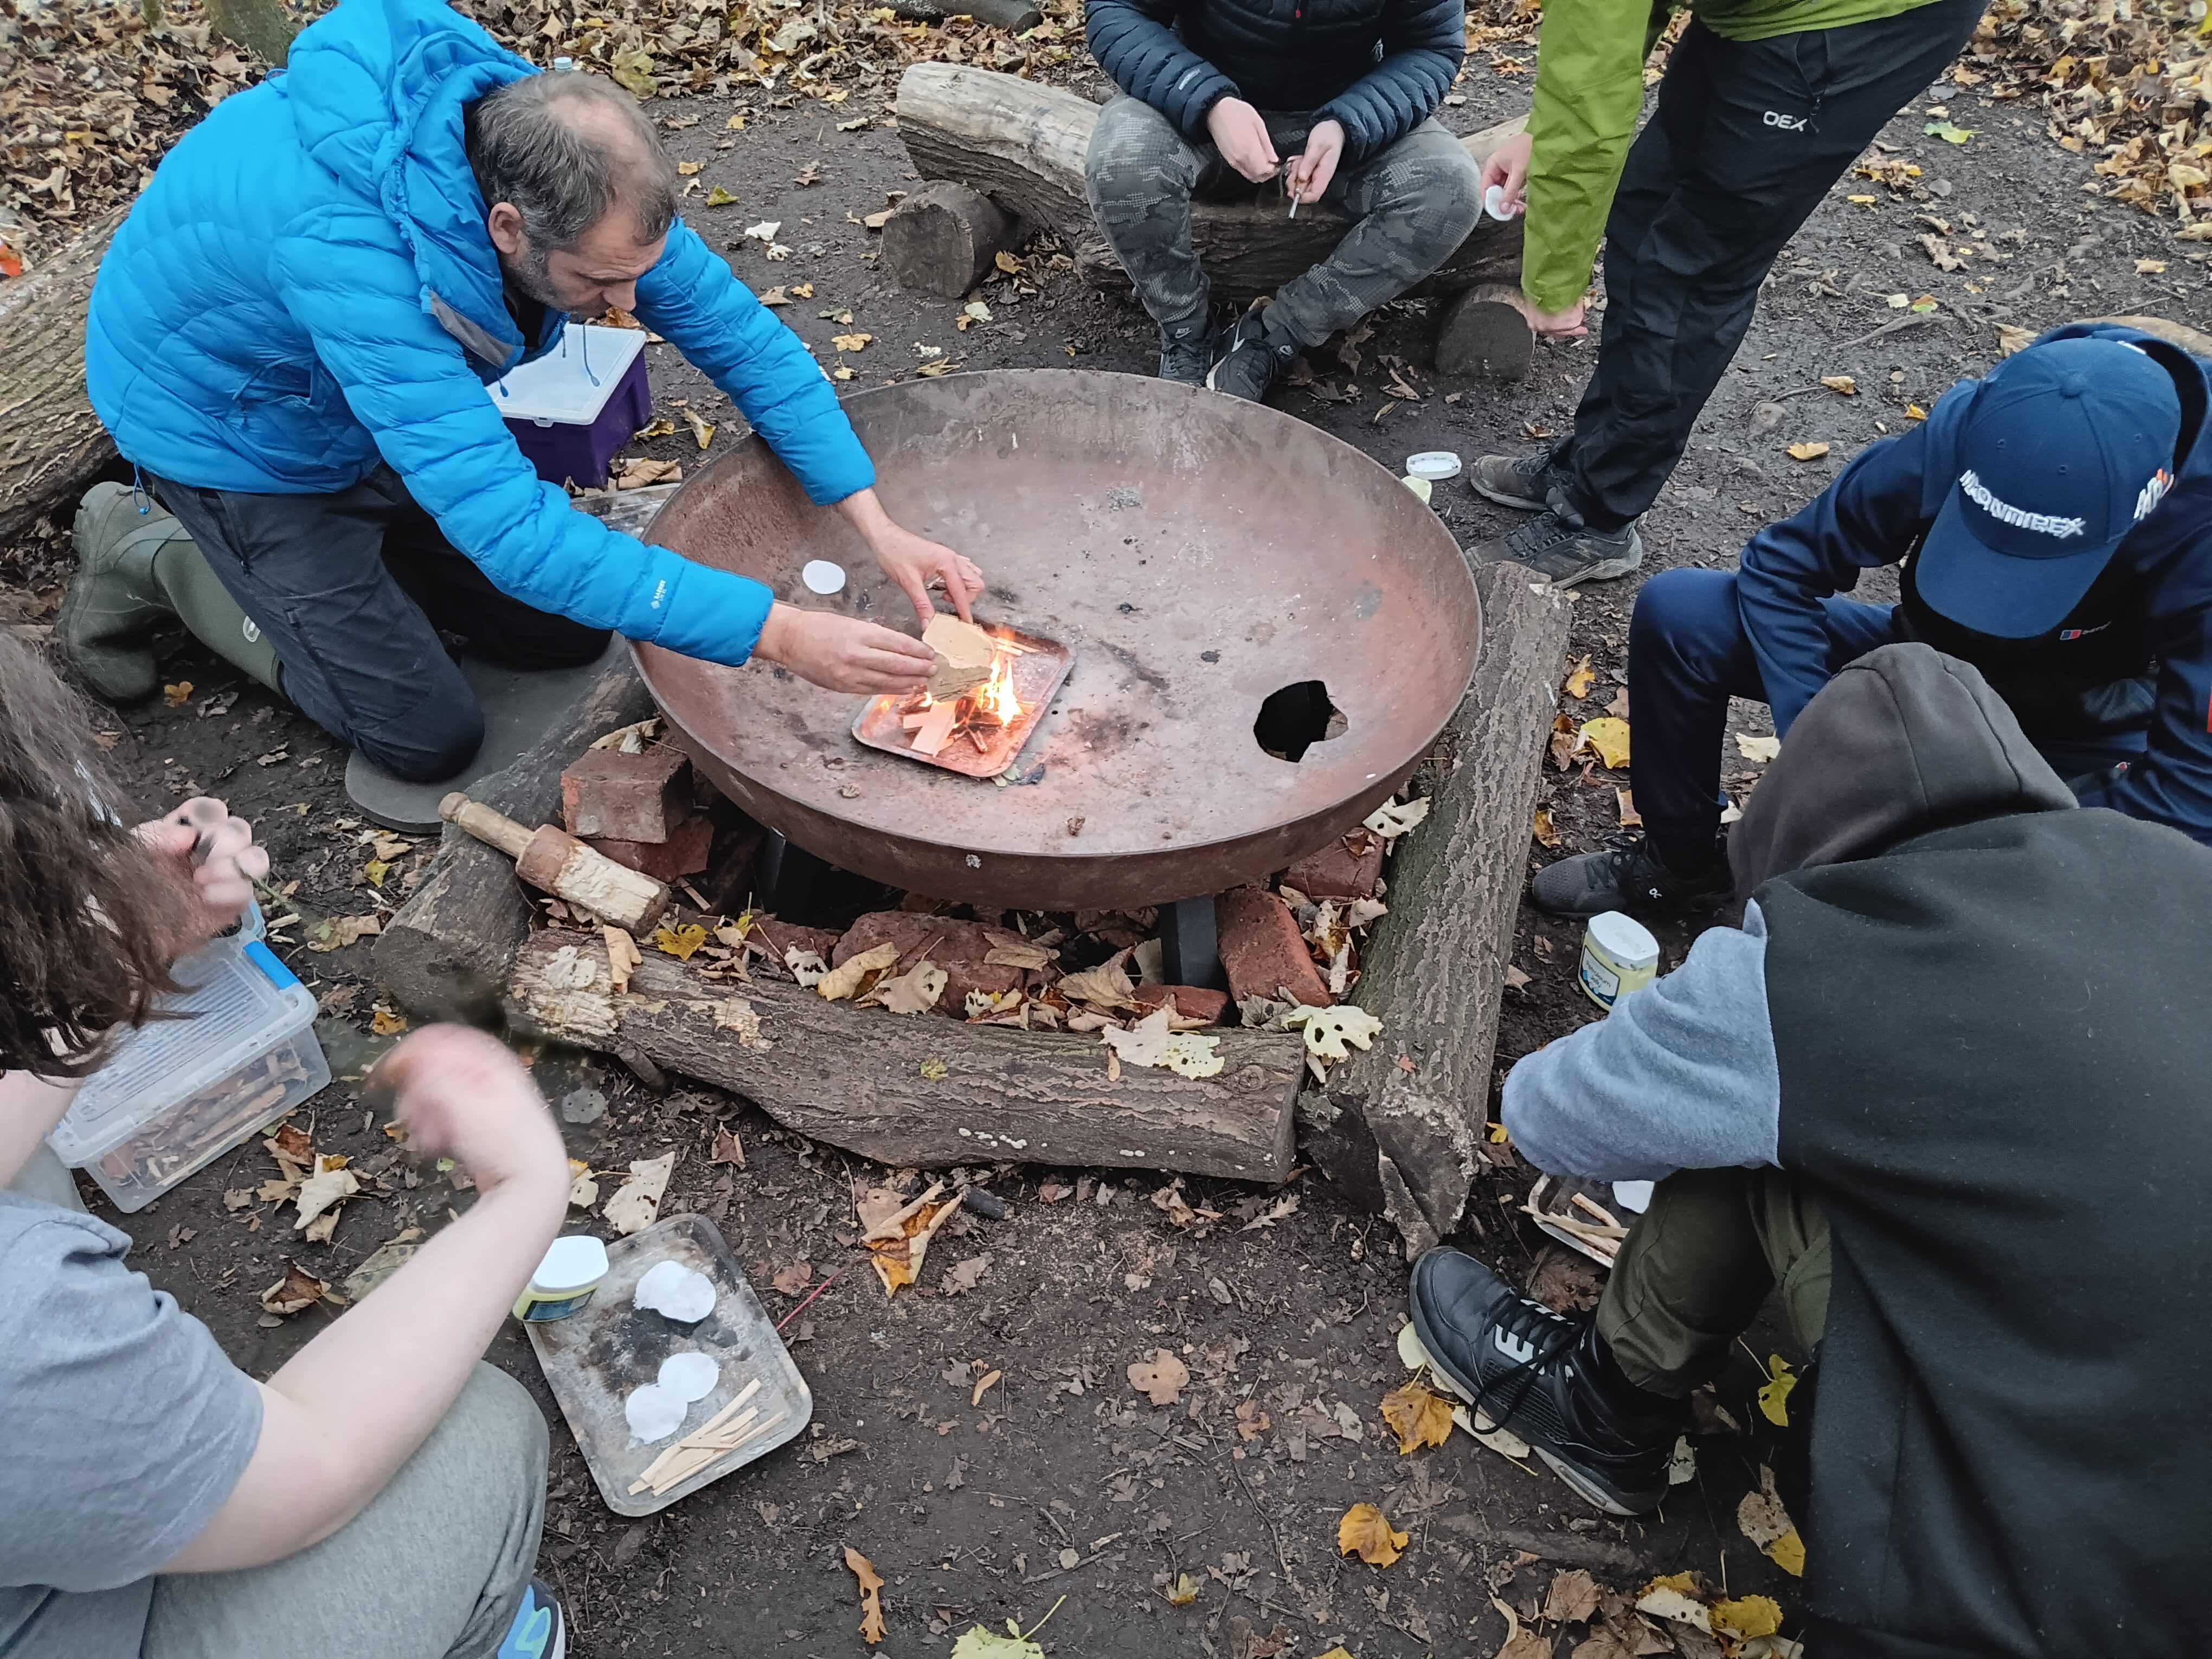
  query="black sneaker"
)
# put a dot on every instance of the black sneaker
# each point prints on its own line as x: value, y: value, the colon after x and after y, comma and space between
x: 1558, y: 544
x: 1250, y: 358
x: 1627, y: 873
x: 1187, y: 350
x: 1515, y: 481
x: 1548, y: 1378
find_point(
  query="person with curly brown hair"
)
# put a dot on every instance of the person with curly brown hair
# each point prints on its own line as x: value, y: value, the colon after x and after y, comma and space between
x: 378, y: 1495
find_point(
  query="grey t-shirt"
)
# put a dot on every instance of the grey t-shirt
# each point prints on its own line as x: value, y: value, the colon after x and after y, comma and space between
x: 123, y: 1430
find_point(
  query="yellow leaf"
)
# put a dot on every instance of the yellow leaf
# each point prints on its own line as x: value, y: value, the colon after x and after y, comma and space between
x: 681, y: 942
x: 1607, y: 737
x: 1580, y: 678
x: 1545, y: 831
x: 1861, y: 201
x: 374, y: 872
x: 840, y: 372
x: 934, y: 1070
x: 687, y: 169
x: 384, y: 1023
x: 2150, y: 267
x: 848, y: 979
x: 2012, y: 337
x: 1160, y: 1379
x: 1748, y: 1616
x: 1808, y: 452
x: 1774, y: 1398
x: 1914, y: 412
x: 1184, y: 1590
x: 700, y: 429
x: 178, y: 695
x: 1497, y: 1134
x: 1365, y: 1531
x: 1418, y: 1417
x: 872, y: 1595
x: 851, y: 341
x: 803, y: 290
x: 1008, y: 263
x: 1787, y: 1553
x: 735, y: 124
x: 1843, y: 385
x: 719, y: 198
x: 1758, y: 749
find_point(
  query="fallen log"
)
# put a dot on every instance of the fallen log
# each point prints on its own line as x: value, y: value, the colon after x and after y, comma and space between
x: 1022, y: 144
x: 52, y: 444
x: 1403, y: 1140
x: 944, y: 239
x: 446, y: 952
x: 923, y: 1090
x: 1485, y: 332
x: 1014, y: 15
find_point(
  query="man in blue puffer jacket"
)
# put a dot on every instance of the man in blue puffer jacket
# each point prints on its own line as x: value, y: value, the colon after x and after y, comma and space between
x: 2054, y: 522
x: 1218, y: 95
x: 290, y: 338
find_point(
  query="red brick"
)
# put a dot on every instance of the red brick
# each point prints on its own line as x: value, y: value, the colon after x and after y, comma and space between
x: 1349, y: 867
x: 957, y: 947
x: 634, y: 798
x: 683, y: 854
x: 1263, y: 953
x: 1191, y: 1002
x: 780, y: 936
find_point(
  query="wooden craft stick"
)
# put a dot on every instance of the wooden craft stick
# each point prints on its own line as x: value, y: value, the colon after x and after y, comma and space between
x: 1589, y: 1205
x: 719, y: 1420
x: 698, y: 1459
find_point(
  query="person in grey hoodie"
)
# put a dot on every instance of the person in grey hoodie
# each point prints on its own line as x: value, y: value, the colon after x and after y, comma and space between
x: 1946, y: 1090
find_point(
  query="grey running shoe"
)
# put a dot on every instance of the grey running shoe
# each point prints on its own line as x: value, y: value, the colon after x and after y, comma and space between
x: 1555, y: 546
x: 1514, y: 481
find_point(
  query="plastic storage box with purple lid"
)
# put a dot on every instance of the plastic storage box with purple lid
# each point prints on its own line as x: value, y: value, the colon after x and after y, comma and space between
x: 572, y: 409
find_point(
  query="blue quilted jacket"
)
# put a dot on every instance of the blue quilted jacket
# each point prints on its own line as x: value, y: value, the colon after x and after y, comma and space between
x: 307, y: 289
x: 1379, y: 68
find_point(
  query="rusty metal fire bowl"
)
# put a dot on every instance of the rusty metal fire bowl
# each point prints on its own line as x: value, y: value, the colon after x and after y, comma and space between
x: 1206, y: 562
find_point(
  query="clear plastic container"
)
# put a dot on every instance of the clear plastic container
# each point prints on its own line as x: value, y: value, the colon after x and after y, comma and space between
x: 176, y: 1094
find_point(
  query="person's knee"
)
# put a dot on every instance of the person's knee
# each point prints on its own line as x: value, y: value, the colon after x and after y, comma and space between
x: 435, y: 742
x: 1684, y: 615
x: 495, y: 1415
x: 1438, y: 190
x: 1133, y: 151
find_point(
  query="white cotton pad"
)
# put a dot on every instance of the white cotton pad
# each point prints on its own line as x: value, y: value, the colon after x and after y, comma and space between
x: 671, y: 1289
x: 690, y: 1377
x: 1493, y: 203
x: 653, y: 1413
x: 821, y: 576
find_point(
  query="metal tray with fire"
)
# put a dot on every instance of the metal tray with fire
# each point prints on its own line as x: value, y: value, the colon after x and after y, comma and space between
x: 979, y: 733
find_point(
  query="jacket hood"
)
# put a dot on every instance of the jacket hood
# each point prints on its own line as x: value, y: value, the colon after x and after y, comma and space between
x: 1899, y: 744
x: 376, y: 89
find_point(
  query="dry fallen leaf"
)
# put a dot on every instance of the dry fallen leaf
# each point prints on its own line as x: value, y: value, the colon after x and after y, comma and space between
x: 794, y: 1279
x: 871, y: 1595
x: 1764, y: 1521
x: 1572, y: 1599
x: 2012, y: 337
x: 1758, y: 749
x: 636, y: 1202
x: 1843, y: 385
x: 1580, y: 679
x: 851, y: 341
x: 297, y: 1289
x: 1545, y: 831
x: 178, y: 695
x: 898, y: 1243
x: 320, y: 1194
x: 1184, y: 1590
x: 1674, y: 1598
x: 1624, y: 804
x: 1327, y: 1029
x: 1364, y: 1532
x: 984, y: 1384
x: 1748, y: 1616
x: 623, y: 955
x: 1418, y: 1417
x: 852, y: 975
x: 1606, y: 738
x: 1395, y: 817
x: 913, y: 991
x: 336, y: 932
x: 1806, y: 452
x: 1774, y: 1397
x: 1160, y: 1379
x: 680, y: 942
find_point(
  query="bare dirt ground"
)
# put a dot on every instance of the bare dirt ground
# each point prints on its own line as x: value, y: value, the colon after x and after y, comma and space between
x: 1060, y: 1481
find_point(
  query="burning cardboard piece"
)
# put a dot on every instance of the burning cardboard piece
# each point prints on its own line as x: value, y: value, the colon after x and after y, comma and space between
x: 964, y: 657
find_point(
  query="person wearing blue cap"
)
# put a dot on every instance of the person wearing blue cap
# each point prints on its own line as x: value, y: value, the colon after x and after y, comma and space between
x: 2053, y: 522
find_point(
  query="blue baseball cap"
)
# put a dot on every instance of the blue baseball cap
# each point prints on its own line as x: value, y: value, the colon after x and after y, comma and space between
x: 2066, y: 446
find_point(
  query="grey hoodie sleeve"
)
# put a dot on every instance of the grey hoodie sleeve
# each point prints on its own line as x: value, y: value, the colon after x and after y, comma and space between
x: 1679, y: 1076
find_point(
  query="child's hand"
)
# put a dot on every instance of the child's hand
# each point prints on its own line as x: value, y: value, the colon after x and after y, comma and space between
x: 214, y: 852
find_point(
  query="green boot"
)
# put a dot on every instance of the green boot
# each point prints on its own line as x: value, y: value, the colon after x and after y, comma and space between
x: 137, y: 572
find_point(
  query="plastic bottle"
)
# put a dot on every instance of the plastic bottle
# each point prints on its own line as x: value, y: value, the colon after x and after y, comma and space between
x: 1619, y: 956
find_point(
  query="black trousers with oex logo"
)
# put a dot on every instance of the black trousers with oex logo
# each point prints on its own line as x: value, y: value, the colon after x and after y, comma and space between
x: 1748, y: 137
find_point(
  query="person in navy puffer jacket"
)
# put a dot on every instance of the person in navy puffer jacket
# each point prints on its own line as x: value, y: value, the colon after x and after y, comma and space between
x: 1338, y: 97
x: 290, y: 336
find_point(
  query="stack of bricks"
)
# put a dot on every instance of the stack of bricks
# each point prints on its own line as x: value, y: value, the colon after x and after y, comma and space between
x: 639, y: 810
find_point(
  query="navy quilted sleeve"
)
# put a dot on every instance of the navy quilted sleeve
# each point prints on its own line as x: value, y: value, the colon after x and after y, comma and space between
x: 1133, y: 43
x: 354, y: 291
x: 713, y: 319
x: 1423, y: 43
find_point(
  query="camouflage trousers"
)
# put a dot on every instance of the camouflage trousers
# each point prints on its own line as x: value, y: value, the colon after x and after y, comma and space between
x: 1412, y: 205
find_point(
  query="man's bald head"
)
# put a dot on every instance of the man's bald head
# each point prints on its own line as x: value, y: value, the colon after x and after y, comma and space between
x: 578, y: 194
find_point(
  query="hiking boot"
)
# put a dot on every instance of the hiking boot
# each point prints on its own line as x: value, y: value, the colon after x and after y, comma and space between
x: 540, y: 1629
x: 1557, y: 544
x: 1187, y: 350
x: 1627, y: 873
x: 114, y: 605
x: 1548, y: 1378
x: 1251, y: 357
x: 1515, y: 481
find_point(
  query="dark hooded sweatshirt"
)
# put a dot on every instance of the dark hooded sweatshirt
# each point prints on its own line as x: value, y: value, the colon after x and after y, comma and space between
x: 1972, y: 1022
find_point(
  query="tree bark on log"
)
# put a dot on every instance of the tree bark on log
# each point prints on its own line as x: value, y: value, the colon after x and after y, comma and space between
x: 1405, y: 1141
x: 52, y: 444
x: 919, y: 1090
x: 1015, y: 14
x: 944, y: 238
x: 1023, y: 145
x: 1484, y: 332
x: 444, y: 954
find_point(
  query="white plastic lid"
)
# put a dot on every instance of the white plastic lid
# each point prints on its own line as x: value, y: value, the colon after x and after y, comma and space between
x: 571, y: 1264
x: 1626, y: 939
x: 822, y: 576
x: 572, y: 383
x: 1434, y: 465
